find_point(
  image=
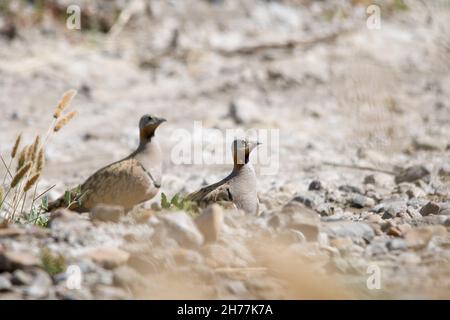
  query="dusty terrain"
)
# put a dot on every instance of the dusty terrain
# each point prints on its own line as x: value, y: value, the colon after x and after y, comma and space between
x: 342, y: 97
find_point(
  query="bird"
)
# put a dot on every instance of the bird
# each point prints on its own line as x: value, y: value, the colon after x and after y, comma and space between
x: 239, y: 187
x: 127, y: 182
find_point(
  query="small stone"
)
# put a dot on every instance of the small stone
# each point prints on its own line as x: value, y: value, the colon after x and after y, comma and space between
x: 236, y: 288
x: 107, y: 213
x: 110, y: 293
x: 419, y: 238
x: 108, y: 257
x: 341, y: 243
x: 353, y: 230
x: 5, y: 284
x: 11, y: 232
x: 391, y: 208
x: 21, y: 278
x: 378, y: 179
x: 12, y: 260
x: 127, y: 277
x: 360, y: 201
x: 350, y: 189
x: 412, y: 174
x: 376, y: 248
x: 40, y: 287
x: 210, y: 222
x: 306, y: 200
x: 430, y: 208
x: 243, y: 111
x: 185, y: 256
x: 182, y: 228
x: 397, y: 244
x: 428, y: 144
x: 315, y: 185
x: 302, y: 219
x: 394, y: 231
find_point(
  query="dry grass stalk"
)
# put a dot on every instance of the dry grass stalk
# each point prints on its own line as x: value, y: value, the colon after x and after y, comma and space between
x: 40, y: 163
x: 64, y: 103
x: 61, y: 123
x: 22, y: 158
x: 20, y: 174
x: 2, y: 193
x: 16, y: 146
x: 31, y: 182
x: 35, y: 147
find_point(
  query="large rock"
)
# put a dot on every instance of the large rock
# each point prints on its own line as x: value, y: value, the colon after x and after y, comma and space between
x: 298, y: 217
x: 182, y: 228
x: 5, y: 284
x: 40, y: 287
x: 12, y: 260
x: 108, y: 257
x: 419, y: 238
x: 210, y: 222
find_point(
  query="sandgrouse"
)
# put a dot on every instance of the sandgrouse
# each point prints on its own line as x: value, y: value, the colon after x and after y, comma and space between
x: 239, y: 186
x: 128, y: 182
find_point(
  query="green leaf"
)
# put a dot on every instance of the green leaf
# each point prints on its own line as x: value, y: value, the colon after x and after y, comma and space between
x: 44, y: 203
x: 164, y: 202
x: 176, y: 201
x: 68, y: 198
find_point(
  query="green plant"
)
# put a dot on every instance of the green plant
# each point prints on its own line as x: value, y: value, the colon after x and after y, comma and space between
x: 179, y: 203
x: 53, y: 263
x: 30, y: 162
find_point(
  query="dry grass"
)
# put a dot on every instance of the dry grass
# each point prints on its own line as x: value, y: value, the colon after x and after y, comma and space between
x: 30, y: 163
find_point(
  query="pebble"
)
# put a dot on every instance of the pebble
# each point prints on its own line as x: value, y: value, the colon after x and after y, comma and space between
x: 346, y: 229
x: 40, y: 286
x: 360, y: 201
x: 20, y: 277
x: 5, y: 284
x: 412, y: 174
x: 12, y: 260
x: 315, y: 185
x: 182, y: 228
x: 108, y: 257
x: 430, y: 208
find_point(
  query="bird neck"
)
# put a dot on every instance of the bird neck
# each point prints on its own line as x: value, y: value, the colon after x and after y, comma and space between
x: 238, y: 164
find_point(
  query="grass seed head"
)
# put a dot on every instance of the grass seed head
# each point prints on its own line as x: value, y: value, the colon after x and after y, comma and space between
x: 16, y: 146
x: 65, y: 120
x: 22, y: 158
x: 64, y: 103
x: 20, y: 174
x: 40, y: 163
x: 31, y: 182
x: 35, y: 148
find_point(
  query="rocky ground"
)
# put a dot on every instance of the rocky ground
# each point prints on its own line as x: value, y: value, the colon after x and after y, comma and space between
x: 363, y: 181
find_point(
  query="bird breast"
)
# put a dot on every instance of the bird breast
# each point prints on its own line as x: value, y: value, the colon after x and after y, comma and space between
x: 243, y: 189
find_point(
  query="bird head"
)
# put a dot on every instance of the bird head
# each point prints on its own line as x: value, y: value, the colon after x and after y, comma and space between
x: 148, y: 125
x: 242, y: 149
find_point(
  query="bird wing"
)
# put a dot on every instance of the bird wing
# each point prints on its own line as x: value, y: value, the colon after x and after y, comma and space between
x: 125, y: 183
x: 216, y: 192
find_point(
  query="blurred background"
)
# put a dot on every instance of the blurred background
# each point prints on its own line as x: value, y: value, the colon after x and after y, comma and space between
x: 343, y: 84
x: 339, y: 86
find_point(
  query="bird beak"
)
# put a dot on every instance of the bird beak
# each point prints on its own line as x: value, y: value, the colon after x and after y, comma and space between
x: 160, y: 120
x: 253, y: 145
